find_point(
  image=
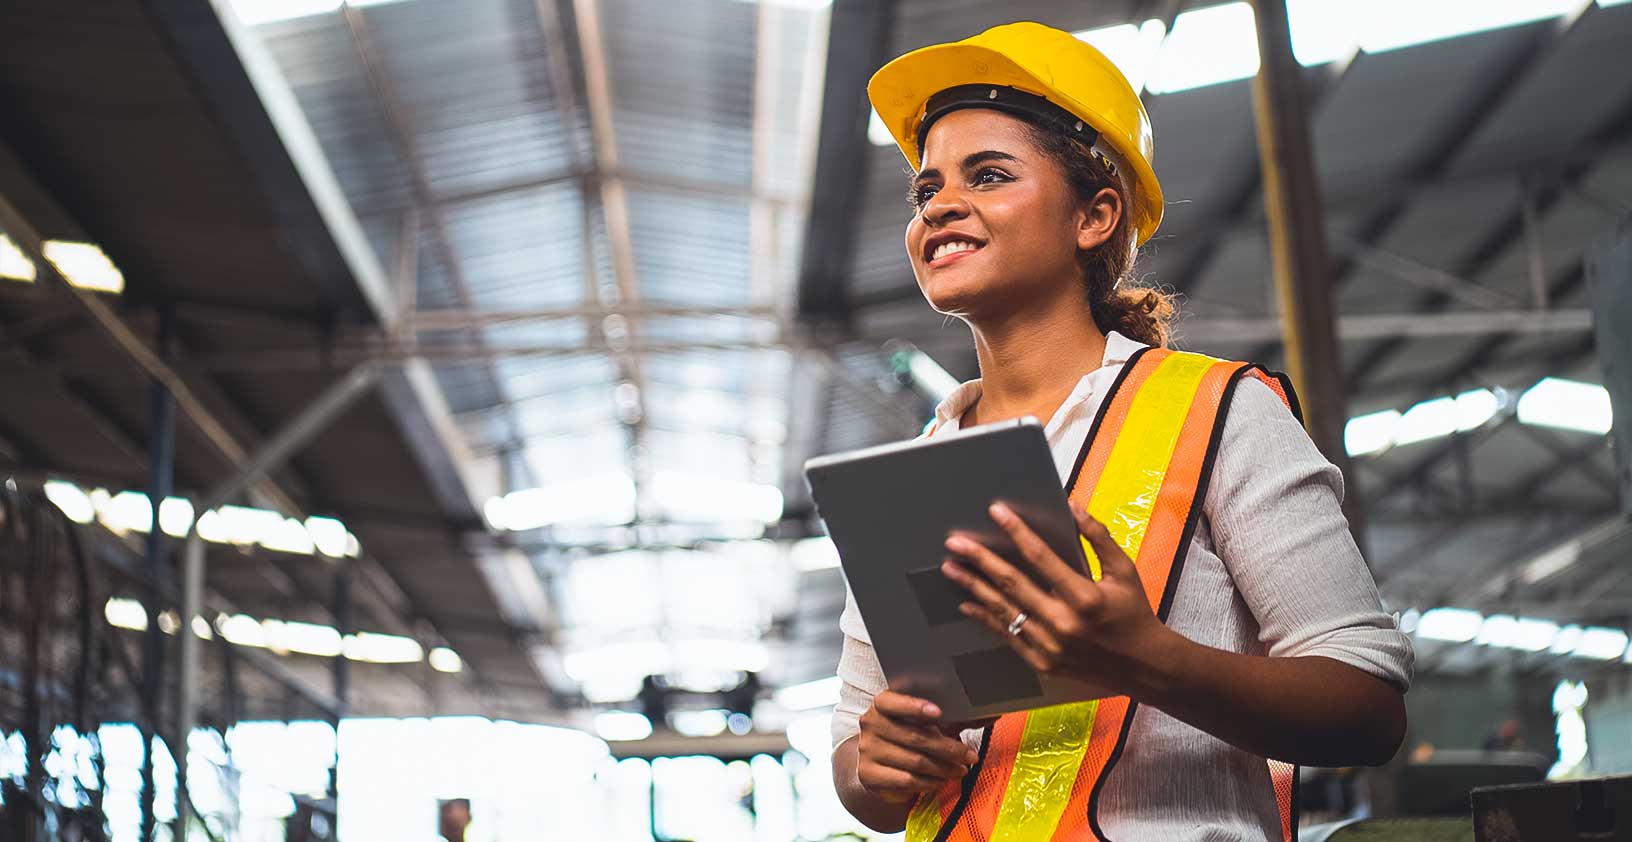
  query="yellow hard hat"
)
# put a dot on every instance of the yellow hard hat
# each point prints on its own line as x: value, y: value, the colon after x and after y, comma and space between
x: 1031, y: 68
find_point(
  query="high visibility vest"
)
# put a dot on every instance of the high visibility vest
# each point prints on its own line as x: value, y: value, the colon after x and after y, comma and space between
x: 1142, y: 471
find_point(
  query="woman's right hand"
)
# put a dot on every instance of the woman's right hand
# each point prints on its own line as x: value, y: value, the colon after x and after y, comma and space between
x: 905, y: 751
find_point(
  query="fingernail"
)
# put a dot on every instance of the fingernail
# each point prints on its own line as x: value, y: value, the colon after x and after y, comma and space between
x: 931, y: 710
x: 972, y: 758
x: 957, y: 543
x: 1001, y: 513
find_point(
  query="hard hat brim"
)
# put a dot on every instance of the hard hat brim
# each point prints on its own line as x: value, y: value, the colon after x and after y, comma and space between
x: 899, y: 90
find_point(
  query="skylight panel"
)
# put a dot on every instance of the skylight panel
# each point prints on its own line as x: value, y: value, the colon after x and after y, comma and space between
x: 253, y: 12
x: 1206, y: 47
x: 1130, y: 47
x: 1393, y: 24
x: 13, y: 263
x: 85, y: 266
x: 1568, y: 405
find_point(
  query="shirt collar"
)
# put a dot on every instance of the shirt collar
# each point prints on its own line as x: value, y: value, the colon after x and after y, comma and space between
x: 1118, y: 349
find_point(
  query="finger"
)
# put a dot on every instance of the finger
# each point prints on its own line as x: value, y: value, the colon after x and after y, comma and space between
x: 888, y: 781
x: 1016, y: 587
x: 926, y: 741
x: 1033, y: 657
x: 1034, y: 549
x: 1042, y: 621
x: 902, y: 707
x: 923, y: 765
x: 1113, y: 560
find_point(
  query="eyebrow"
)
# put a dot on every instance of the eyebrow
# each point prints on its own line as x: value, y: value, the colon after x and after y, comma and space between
x: 969, y: 162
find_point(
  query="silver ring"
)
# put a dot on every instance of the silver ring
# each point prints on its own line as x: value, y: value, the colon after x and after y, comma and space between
x: 1018, y: 621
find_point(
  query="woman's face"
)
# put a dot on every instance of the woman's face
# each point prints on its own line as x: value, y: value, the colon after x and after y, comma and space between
x: 997, y: 225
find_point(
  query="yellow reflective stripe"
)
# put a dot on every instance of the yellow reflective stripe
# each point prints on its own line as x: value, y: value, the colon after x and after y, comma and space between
x: 1051, y: 751
x: 925, y: 819
x: 1054, y: 740
x: 1126, y: 494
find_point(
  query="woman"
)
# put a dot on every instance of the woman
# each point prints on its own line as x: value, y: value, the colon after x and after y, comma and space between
x: 1248, y: 628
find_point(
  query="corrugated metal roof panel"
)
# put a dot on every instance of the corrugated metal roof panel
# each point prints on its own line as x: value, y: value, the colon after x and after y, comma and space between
x: 521, y: 250
x: 690, y: 250
x: 473, y: 83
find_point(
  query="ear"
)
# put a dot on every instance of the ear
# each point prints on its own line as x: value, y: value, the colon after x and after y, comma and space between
x: 1097, y: 219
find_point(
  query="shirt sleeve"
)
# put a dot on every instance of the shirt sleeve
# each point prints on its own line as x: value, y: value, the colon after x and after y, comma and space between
x: 1274, y: 506
x: 860, y: 679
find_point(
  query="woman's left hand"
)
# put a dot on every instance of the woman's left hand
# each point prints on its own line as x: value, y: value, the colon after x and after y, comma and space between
x: 1102, y: 632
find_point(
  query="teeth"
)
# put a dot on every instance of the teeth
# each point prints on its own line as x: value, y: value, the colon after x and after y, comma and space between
x: 953, y: 247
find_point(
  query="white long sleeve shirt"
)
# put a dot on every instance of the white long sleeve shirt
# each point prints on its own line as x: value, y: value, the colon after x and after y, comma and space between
x: 1272, y: 570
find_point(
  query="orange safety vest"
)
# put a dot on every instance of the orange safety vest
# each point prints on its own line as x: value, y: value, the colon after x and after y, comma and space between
x: 1142, y: 469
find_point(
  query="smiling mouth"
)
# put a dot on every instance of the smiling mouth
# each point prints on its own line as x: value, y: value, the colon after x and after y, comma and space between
x: 950, y: 252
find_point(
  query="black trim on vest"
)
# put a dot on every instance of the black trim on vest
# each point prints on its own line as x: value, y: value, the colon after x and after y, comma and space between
x: 1297, y: 813
x: 969, y: 782
x: 1099, y: 418
x: 1171, y: 587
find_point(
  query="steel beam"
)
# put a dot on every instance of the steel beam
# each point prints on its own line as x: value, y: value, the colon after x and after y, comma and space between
x: 1297, y: 239
x: 1245, y: 183
x: 864, y: 29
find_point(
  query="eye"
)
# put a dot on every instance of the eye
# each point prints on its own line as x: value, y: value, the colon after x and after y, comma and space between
x: 919, y: 194
x: 990, y: 175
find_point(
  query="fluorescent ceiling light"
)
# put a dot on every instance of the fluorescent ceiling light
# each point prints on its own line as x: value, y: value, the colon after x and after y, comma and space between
x: 1206, y: 47
x: 1457, y: 625
x: 821, y: 693
x: 698, y: 498
x: 13, y: 263
x: 1564, y: 642
x: 1568, y: 405
x: 622, y: 726
x: 1131, y: 48
x: 1474, y: 408
x: 85, y: 266
x: 1371, y: 433
x: 289, y: 536
x: 305, y: 638
x: 1533, y: 635
x: 810, y: 554
x: 604, y: 500
x: 1498, y: 630
x: 382, y: 648
x: 243, y: 630
x: 73, y: 502
x: 698, y: 723
x: 1427, y: 420
x: 1601, y: 644
x: 444, y: 659
x: 328, y: 536
x: 878, y: 134
x: 125, y: 613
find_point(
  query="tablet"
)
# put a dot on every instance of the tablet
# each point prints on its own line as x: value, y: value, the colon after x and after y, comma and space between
x: 889, y: 510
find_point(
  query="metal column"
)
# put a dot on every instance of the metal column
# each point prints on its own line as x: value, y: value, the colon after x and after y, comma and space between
x: 342, y: 670
x: 161, y: 472
x: 1297, y: 241
x: 312, y: 420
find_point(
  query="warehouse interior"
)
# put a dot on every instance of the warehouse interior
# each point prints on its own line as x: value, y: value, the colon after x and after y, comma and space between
x: 406, y: 400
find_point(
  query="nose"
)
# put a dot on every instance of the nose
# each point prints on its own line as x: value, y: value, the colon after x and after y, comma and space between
x: 947, y: 205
